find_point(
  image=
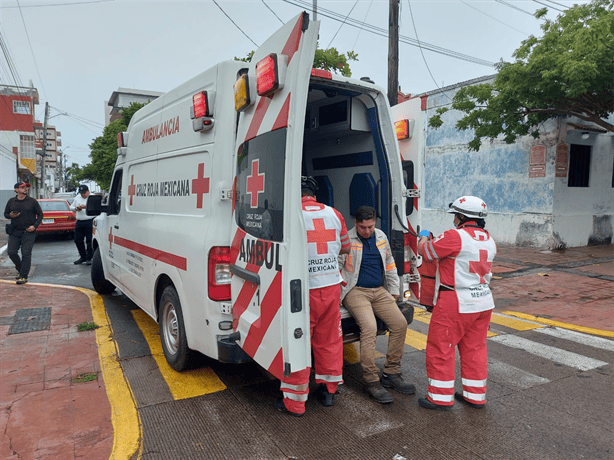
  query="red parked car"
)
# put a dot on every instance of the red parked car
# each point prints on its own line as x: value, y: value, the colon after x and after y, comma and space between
x: 57, y: 217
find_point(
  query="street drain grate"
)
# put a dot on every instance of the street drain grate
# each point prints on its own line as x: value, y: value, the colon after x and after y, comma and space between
x: 30, y: 320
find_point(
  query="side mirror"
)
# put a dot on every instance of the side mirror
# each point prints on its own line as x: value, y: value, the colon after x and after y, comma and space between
x: 94, y: 206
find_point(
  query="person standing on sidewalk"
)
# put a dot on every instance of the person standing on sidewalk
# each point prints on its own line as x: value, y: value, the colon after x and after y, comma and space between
x: 83, y: 227
x: 461, y: 315
x: 371, y: 287
x: 327, y: 237
x: 26, y: 215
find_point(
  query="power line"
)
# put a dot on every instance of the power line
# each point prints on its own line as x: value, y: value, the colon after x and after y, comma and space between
x: 548, y: 6
x: 235, y: 24
x: 331, y: 40
x: 360, y: 30
x: 514, y: 6
x: 493, y: 18
x: 273, y: 12
x: 55, y: 4
x: 384, y: 33
x: 76, y: 117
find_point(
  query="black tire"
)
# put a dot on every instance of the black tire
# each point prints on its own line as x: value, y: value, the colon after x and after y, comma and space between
x: 172, y: 331
x: 101, y: 285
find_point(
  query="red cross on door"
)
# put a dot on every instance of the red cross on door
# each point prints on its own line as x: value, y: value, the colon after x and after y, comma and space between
x: 131, y: 189
x: 481, y: 267
x: 255, y: 184
x: 321, y: 236
x: 200, y: 185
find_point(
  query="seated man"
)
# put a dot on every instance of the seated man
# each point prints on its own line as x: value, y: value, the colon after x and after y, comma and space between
x: 370, y: 288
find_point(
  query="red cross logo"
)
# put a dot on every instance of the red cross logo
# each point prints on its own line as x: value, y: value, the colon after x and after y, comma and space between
x: 484, y: 205
x: 482, y: 267
x: 321, y: 236
x: 131, y: 189
x: 200, y: 185
x: 255, y: 184
x: 462, y: 200
x: 110, y: 237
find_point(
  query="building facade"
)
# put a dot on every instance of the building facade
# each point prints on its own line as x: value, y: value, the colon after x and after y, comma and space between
x: 552, y: 192
x: 122, y: 98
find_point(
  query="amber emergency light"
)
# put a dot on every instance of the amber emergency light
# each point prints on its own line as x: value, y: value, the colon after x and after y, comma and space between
x: 242, y: 95
x: 402, y: 129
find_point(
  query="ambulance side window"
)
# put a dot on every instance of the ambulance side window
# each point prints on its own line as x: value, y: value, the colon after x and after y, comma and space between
x: 115, y: 195
x: 259, y: 199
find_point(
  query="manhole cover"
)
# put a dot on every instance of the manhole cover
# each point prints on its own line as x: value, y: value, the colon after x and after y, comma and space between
x: 30, y: 320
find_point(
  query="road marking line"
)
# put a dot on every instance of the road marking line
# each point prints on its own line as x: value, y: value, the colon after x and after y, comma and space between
x: 558, y: 355
x: 182, y: 385
x: 351, y: 354
x: 513, y: 323
x: 509, y: 374
x: 415, y: 339
x: 578, y: 337
x: 549, y: 322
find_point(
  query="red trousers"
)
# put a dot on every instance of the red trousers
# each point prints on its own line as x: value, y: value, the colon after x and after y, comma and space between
x: 447, y: 330
x: 326, y: 345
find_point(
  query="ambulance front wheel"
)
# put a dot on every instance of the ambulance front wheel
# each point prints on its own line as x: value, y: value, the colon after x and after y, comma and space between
x: 101, y: 285
x: 172, y: 331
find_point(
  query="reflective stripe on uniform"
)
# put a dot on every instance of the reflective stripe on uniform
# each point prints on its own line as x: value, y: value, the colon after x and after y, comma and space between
x: 474, y: 396
x: 474, y: 383
x: 380, y: 244
x: 442, y: 398
x: 430, y: 251
x: 441, y: 383
x: 296, y: 397
x: 329, y: 378
x: 300, y: 388
x: 392, y: 266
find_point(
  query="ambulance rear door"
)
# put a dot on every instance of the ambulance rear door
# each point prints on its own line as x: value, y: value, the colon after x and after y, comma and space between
x: 270, y: 290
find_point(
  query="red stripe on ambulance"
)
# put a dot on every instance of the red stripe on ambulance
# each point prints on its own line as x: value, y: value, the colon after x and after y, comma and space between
x: 171, y: 259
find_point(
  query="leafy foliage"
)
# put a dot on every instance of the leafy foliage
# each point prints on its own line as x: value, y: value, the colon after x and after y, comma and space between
x: 329, y: 59
x: 565, y: 73
x: 104, y: 149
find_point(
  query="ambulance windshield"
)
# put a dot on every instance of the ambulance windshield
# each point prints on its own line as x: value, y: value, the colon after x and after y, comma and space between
x: 259, y: 197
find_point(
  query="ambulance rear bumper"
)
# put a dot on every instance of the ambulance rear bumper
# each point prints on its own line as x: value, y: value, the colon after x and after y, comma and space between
x: 229, y: 352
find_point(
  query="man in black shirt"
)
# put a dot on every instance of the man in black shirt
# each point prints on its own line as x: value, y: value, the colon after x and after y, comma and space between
x: 26, y: 215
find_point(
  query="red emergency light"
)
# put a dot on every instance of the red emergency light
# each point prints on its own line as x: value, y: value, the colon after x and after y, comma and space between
x: 219, y: 273
x: 321, y: 74
x: 122, y: 139
x: 200, y: 103
x: 402, y: 129
x: 267, y: 75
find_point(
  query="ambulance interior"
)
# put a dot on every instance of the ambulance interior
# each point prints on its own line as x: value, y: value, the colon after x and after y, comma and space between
x: 344, y: 152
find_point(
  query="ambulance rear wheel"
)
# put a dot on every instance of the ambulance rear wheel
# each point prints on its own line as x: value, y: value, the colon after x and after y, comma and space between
x: 101, y: 285
x: 172, y: 331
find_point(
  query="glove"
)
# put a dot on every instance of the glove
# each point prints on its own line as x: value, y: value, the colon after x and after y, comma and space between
x: 425, y: 233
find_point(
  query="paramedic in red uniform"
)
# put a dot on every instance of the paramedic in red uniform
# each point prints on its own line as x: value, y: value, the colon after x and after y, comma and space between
x: 327, y: 237
x: 461, y: 315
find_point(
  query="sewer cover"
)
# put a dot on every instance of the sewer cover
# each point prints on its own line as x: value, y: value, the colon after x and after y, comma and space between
x: 30, y: 320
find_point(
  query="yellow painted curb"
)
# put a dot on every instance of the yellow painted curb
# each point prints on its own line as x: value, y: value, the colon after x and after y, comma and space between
x: 549, y: 322
x: 127, y: 428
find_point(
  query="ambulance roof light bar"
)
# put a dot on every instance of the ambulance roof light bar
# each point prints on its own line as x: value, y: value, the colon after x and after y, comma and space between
x: 320, y: 73
x: 201, y: 110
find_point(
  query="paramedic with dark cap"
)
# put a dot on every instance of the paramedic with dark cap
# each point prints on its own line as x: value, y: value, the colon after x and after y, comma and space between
x: 461, y: 315
x: 327, y: 237
x: 26, y: 215
x: 83, y: 227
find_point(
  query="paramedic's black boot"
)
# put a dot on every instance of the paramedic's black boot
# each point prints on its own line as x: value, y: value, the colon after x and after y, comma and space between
x: 429, y: 405
x: 321, y: 393
x: 396, y: 382
x: 79, y: 261
x: 460, y: 397
x: 379, y: 393
x: 279, y: 404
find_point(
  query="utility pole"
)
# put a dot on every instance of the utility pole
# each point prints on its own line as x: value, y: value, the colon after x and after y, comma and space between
x: 315, y: 10
x: 393, y: 53
x: 43, y: 172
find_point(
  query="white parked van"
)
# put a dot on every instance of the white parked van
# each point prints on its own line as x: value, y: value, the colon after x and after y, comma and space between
x: 203, y: 227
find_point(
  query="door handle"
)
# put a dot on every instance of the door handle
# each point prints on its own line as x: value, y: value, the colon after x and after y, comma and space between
x: 116, y: 226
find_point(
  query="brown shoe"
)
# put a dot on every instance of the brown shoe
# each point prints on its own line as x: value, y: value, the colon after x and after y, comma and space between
x: 379, y: 393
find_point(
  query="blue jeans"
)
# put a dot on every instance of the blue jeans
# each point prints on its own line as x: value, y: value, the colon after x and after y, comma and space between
x: 25, y: 241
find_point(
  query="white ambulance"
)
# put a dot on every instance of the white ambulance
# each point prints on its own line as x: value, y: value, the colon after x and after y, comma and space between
x: 203, y: 227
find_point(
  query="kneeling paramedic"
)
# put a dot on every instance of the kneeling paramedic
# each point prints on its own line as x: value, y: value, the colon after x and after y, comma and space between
x: 461, y: 315
x: 327, y: 237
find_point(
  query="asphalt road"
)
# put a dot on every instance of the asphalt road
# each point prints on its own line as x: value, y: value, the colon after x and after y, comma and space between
x: 549, y: 395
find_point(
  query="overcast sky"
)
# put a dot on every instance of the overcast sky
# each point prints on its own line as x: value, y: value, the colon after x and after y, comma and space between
x: 77, y: 52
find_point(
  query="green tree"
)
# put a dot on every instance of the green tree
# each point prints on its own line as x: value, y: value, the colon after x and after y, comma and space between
x: 73, y: 176
x: 104, y: 149
x: 565, y: 73
x: 329, y: 59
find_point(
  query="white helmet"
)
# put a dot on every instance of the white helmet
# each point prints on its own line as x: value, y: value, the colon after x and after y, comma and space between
x: 470, y: 206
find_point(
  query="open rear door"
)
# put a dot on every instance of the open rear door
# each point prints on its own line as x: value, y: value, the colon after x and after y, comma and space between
x: 270, y: 290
